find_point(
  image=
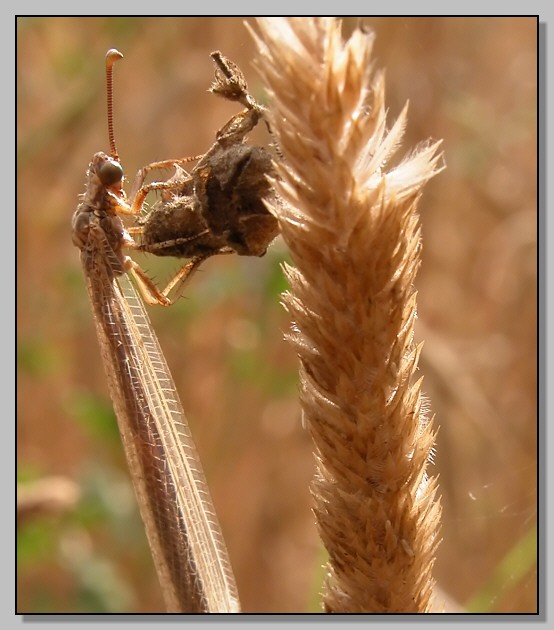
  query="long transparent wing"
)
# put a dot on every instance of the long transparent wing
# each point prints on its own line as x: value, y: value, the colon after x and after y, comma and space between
x: 175, y: 505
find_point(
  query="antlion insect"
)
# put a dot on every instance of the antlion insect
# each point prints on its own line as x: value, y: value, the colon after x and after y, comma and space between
x: 219, y: 208
x: 182, y: 529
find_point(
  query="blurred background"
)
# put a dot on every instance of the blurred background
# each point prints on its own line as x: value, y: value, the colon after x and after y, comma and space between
x: 81, y: 545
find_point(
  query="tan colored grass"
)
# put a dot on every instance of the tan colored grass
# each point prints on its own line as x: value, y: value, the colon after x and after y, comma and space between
x: 353, y: 233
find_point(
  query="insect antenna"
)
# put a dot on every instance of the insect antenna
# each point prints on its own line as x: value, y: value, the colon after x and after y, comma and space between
x: 111, y: 57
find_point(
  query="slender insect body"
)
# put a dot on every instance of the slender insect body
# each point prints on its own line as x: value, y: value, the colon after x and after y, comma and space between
x: 180, y: 522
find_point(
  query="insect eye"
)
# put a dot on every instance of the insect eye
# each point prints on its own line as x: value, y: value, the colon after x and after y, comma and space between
x: 110, y: 173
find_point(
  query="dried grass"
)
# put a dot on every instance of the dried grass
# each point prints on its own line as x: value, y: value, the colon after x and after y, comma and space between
x: 353, y: 233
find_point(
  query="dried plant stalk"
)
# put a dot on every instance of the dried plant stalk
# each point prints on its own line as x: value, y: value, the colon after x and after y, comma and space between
x: 354, y: 237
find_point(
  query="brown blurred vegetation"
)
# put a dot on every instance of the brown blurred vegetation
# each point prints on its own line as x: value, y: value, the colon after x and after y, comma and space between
x: 470, y: 81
